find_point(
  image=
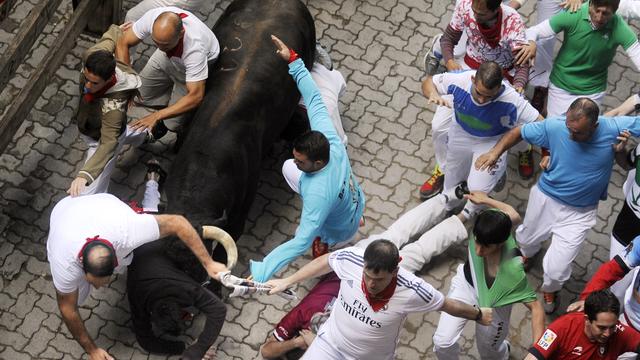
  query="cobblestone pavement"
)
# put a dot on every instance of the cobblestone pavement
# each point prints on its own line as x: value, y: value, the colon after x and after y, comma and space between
x: 378, y: 45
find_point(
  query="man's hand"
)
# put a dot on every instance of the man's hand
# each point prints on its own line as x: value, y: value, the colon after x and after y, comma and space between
x: 623, y: 138
x: 278, y: 285
x: 487, y: 161
x: 100, y: 354
x: 436, y: 99
x: 299, y: 342
x: 308, y: 336
x: 487, y: 316
x: 514, y: 4
x: 146, y: 123
x: 452, y: 65
x: 216, y: 270
x: 571, y: 5
x: 126, y: 26
x: 544, y: 162
x: 77, y: 186
x: 519, y: 89
x: 477, y: 197
x: 576, y: 306
x: 282, y: 49
x: 524, y: 53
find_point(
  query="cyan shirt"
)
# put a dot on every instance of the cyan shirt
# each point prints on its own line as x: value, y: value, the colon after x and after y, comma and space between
x: 332, y: 201
x: 579, y: 173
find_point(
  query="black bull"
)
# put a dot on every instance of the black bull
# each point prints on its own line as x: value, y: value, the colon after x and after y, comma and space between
x: 249, y: 100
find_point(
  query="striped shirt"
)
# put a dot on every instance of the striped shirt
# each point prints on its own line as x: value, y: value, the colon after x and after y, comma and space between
x: 354, y: 328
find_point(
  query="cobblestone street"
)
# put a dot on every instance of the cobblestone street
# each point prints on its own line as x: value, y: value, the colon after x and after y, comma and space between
x: 378, y: 45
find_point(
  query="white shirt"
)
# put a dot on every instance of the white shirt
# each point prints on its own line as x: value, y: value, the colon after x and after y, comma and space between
x: 200, y: 45
x: 73, y: 220
x: 353, y: 328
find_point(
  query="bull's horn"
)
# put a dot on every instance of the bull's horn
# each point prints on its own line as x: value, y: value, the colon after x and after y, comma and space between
x: 221, y: 236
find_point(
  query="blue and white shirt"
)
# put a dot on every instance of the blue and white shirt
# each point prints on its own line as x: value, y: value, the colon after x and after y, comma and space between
x: 494, y: 118
x: 353, y: 328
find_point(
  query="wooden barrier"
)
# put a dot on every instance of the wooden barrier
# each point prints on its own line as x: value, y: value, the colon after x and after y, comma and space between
x: 23, y: 103
x: 5, y: 7
x: 29, y: 31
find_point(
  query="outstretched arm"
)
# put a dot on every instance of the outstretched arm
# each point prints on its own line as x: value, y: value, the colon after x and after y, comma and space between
x: 318, y: 267
x: 537, y: 319
x: 179, y: 226
x: 508, y: 140
x: 124, y: 43
x: 457, y: 308
x: 68, y: 305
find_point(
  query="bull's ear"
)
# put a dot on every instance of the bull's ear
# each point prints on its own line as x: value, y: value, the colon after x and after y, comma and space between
x: 221, y: 222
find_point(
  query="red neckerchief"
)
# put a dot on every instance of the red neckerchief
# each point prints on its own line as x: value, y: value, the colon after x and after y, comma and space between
x: 90, y: 97
x: 177, y: 50
x: 104, y: 241
x: 492, y: 34
x: 379, y: 301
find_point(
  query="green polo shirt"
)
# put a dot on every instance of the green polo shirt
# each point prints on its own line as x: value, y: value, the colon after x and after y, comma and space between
x: 584, y: 58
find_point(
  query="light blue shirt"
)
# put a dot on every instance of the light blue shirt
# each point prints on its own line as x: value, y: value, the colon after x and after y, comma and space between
x: 332, y: 201
x: 579, y: 172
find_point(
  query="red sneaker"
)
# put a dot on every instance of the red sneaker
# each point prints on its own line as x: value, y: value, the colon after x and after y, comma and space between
x: 433, y: 186
x: 319, y: 248
x: 525, y: 164
x: 550, y: 302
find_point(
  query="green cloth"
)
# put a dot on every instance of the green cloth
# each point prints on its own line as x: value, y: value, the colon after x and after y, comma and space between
x: 510, y: 285
x: 581, y: 65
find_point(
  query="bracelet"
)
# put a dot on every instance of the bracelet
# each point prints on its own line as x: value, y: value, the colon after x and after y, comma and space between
x: 479, y: 316
x: 293, y: 56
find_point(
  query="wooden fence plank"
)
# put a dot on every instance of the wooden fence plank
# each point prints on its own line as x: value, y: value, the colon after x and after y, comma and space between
x: 23, y: 103
x: 20, y: 46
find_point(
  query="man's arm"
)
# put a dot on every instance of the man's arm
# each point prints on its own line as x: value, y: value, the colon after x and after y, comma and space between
x: 626, y: 107
x: 68, y: 305
x: 460, y: 309
x: 481, y: 198
x: 193, y: 98
x: 126, y: 41
x: 318, y: 267
x: 274, y: 349
x: 530, y: 357
x: 215, y: 311
x: 179, y: 226
x: 508, y: 140
x: 537, y: 319
x: 431, y: 92
x: 448, y: 41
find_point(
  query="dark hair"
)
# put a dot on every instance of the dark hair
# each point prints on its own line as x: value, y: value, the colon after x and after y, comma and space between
x: 98, y: 259
x: 492, y: 226
x: 490, y: 74
x: 314, y: 145
x: 612, y: 4
x: 101, y: 63
x: 492, y: 5
x: 586, y: 107
x: 381, y: 255
x: 599, y: 302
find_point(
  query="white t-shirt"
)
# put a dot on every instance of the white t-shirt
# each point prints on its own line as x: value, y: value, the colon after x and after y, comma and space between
x: 353, y: 328
x: 200, y: 45
x: 73, y: 220
x: 508, y: 110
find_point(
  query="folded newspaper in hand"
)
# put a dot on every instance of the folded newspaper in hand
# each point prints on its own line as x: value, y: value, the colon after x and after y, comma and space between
x: 244, y: 287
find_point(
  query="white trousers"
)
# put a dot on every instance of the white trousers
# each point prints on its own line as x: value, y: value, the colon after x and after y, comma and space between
x: 137, y: 11
x: 292, y: 175
x: 420, y: 221
x: 159, y: 79
x: 490, y: 340
x: 567, y: 226
x: 544, y: 55
x: 101, y: 183
x: 321, y: 348
x: 629, y: 9
x: 462, y: 151
x: 559, y: 100
x: 332, y: 87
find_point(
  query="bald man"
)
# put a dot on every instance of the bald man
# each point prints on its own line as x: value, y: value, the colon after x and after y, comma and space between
x: 186, y: 47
